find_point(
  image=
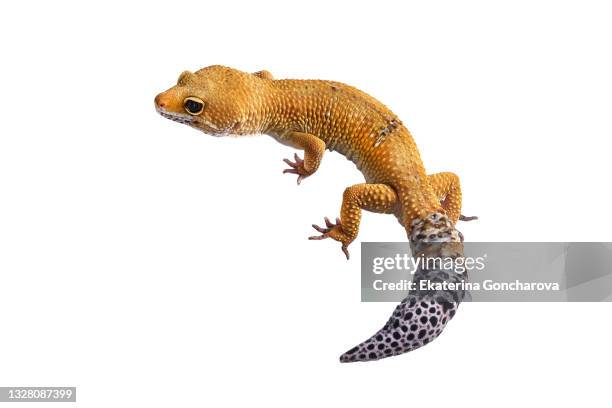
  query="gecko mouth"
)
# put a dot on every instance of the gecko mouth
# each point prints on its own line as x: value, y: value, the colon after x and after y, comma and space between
x: 184, y: 119
x: 199, y: 123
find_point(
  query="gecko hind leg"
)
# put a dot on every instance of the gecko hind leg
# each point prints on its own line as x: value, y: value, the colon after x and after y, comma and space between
x: 379, y: 198
x: 447, y: 188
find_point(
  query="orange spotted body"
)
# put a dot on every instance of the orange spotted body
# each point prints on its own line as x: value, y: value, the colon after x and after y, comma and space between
x: 314, y: 115
x: 365, y: 131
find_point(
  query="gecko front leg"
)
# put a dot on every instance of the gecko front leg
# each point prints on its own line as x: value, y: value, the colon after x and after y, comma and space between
x: 313, y: 153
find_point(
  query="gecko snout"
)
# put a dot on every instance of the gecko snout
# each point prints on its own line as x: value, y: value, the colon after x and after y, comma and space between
x: 160, y: 101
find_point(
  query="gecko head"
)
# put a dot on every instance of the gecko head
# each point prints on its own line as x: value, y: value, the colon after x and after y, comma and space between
x: 216, y: 100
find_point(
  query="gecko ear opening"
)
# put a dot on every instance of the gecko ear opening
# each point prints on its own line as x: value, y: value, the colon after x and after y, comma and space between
x: 263, y: 74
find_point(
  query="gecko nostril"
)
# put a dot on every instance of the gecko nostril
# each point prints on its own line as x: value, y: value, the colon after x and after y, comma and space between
x: 159, y: 102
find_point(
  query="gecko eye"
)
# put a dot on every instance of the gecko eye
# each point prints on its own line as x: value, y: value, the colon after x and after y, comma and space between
x: 193, y: 106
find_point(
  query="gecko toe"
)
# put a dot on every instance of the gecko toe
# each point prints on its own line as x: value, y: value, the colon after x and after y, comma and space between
x: 464, y: 218
x: 346, y: 252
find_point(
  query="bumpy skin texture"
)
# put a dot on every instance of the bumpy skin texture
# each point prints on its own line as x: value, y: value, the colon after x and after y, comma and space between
x: 314, y: 115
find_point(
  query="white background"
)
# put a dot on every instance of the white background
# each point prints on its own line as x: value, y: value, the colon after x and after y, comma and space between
x: 152, y: 265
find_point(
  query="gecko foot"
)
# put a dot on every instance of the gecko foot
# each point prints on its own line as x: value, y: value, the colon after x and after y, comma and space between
x: 335, y: 232
x: 296, y: 167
